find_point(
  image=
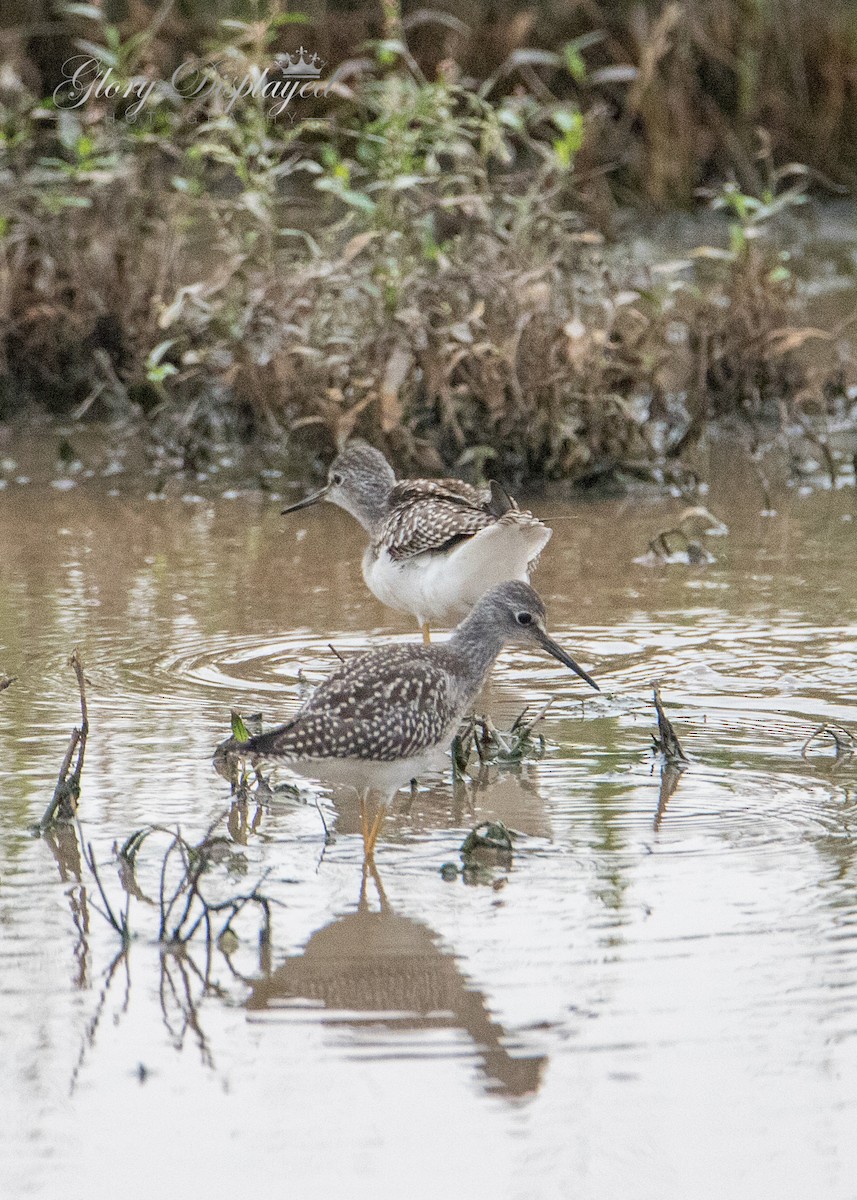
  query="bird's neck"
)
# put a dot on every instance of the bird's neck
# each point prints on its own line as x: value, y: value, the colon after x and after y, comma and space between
x: 475, y: 644
x: 372, y: 506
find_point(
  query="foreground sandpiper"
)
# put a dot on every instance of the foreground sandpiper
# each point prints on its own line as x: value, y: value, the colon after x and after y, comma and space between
x: 436, y: 545
x: 386, y: 716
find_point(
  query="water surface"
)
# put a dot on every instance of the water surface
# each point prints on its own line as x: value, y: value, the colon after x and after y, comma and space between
x: 653, y: 1000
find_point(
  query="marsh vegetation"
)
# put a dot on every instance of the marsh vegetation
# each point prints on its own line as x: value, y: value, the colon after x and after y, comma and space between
x: 431, y: 253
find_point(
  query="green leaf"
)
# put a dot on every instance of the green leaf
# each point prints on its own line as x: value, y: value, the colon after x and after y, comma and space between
x: 779, y: 274
x: 309, y: 241
x: 239, y: 730
x: 228, y: 942
x: 54, y: 202
x: 159, y: 374
x: 346, y: 195
x: 69, y: 130
x: 389, y: 51
x: 574, y: 62
x: 357, y: 200
x: 289, y: 19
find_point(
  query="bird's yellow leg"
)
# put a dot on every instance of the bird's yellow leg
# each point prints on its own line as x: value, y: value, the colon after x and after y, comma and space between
x: 426, y: 634
x: 364, y: 819
x: 372, y: 837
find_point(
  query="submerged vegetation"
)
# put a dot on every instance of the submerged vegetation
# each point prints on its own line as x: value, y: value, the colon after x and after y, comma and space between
x: 423, y: 254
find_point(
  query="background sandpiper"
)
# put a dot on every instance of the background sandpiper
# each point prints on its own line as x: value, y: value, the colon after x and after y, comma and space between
x: 436, y: 545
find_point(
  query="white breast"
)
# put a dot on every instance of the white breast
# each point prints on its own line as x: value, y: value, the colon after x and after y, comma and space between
x: 441, y: 587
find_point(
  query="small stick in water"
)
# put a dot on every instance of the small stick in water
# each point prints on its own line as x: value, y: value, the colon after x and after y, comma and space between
x: 842, y: 738
x: 675, y: 759
x: 667, y: 742
x: 63, y: 805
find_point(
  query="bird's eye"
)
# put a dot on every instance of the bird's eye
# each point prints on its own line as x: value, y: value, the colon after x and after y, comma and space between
x: 336, y: 478
x: 524, y: 618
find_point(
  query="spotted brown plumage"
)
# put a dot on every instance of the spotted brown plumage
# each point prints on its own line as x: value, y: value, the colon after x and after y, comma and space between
x: 436, y: 545
x: 432, y: 515
x: 390, y: 703
x: 395, y: 702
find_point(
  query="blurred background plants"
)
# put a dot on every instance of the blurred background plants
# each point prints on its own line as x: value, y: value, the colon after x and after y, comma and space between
x: 428, y: 254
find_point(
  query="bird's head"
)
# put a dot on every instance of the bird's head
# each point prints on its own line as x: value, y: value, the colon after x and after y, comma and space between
x: 359, y: 480
x: 517, y: 613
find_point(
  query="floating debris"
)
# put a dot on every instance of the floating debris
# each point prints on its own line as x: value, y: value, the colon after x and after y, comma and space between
x: 6, y: 681
x: 493, y: 745
x: 844, y: 742
x: 248, y: 782
x: 681, y: 544
x: 489, y: 836
x: 227, y: 755
x: 674, y: 546
x: 486, y: 847
x: 698, y: 520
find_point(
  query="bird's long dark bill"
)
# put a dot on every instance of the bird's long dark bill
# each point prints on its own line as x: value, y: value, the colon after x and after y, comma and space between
x: 306, y: 502
x: 557, y: 651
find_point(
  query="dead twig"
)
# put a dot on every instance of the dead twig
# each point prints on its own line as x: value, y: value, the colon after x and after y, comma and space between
x: 120, y: 922
x: 6, y: 681
x: 63, y: 805
x: 842, y: 738
x: 675, y: 759
x: 666, y: 742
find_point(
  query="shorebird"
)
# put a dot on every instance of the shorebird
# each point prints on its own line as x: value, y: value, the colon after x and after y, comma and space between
x: 384, y: 717
x: 436, y: 545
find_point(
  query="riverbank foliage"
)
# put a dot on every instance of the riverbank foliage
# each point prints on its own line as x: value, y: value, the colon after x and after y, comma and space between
x: 431, y: 255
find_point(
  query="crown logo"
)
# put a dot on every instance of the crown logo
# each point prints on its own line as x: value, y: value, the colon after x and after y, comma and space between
x: 301, y: 66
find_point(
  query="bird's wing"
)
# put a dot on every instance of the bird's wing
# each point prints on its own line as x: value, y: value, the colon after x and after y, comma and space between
x: 433, y: 514
x: 428, y: 515
x: 492, y: 499
x: 390, y: 703
x: 431, y: 524
x: 408, y: 490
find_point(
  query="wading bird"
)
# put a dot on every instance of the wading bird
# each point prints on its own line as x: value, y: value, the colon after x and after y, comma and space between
x: 436, y: 545
x: 384, y: 717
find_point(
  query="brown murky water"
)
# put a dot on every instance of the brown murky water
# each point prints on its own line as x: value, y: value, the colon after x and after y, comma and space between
x: 647, y: 1004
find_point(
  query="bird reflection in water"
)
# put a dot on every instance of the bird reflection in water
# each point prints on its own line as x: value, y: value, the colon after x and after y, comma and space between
x: 377, y: 967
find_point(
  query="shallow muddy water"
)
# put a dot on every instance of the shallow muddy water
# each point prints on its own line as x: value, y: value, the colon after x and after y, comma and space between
x: 656, y: 998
